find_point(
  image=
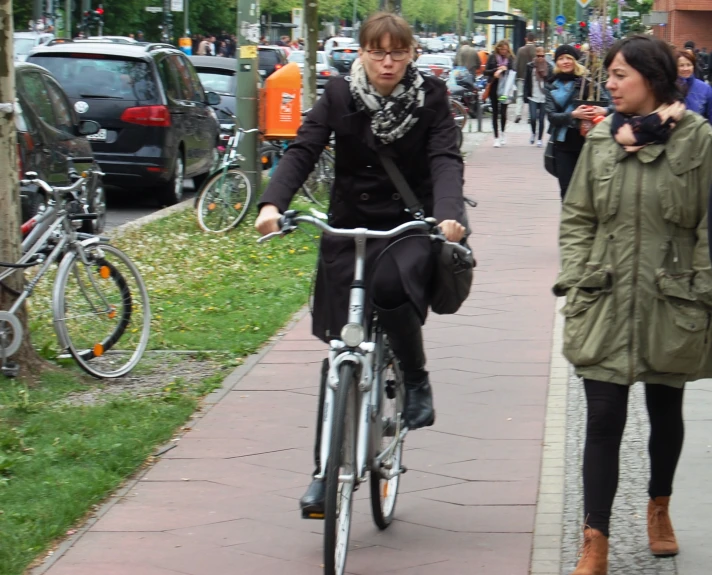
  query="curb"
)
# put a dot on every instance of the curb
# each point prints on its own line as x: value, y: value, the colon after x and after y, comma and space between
x: 157, y: 215
x: 548, y: 519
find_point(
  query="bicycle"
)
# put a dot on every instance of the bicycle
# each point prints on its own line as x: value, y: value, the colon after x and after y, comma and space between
x: 363, y: 427
x: 225, y: 197
x: 99, y: 302
x: 317, y: 187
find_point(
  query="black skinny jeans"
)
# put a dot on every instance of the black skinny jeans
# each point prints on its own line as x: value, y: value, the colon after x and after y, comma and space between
x: 565, y: 166
x: 498, y: 110
x: 537, y: 112
x: 607, y: 413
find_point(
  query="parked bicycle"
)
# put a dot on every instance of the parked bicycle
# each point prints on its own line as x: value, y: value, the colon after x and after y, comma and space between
x: 317, y: 187
x: 363, y: 426
x: 225, y: 197
x: 99, y: 302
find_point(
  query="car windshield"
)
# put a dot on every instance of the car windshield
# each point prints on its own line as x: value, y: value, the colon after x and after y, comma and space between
x: 297, y: 57
x: 100, y: 76
x: 344, y: 55
x: 22, y: 46
x: 222, y: 82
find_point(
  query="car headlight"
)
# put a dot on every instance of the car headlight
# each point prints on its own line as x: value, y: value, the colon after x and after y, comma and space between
x: 352, y: 334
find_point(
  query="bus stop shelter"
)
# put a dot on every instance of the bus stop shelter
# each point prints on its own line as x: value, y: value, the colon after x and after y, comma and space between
x: 503, y: 25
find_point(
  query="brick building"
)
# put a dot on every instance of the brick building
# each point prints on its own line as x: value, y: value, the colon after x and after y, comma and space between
x: 687, y: 20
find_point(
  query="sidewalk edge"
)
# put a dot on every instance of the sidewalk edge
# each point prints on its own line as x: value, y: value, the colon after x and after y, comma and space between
x: 548, y: 520
x: 209, y: 401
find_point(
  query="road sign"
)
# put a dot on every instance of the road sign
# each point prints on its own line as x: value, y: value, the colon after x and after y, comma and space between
x: 560, y: 20
x: 176, y: 5
x: 154, y: 9
x: 630, y: 13
x: 584, y: 3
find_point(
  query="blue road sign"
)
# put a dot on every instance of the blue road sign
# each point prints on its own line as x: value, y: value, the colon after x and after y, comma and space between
x: 560, y: 20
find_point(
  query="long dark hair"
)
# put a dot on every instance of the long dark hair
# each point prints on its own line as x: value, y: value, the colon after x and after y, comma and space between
x: 654, y: 60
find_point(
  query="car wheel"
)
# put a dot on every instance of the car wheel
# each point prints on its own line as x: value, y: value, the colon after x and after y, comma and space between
x: 171, y: 192
x: 97, y: 205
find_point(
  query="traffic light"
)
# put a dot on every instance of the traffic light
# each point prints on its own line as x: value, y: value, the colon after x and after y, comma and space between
x: 582, y: 31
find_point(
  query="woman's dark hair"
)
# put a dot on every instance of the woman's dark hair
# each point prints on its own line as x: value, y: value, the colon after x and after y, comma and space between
x: 654, y: 60
x: 379, y: 24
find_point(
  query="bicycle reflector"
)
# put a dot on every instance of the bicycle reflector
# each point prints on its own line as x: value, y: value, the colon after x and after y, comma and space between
x: 352, y: 334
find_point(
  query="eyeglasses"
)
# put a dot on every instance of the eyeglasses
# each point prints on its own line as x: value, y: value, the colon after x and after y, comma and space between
x: 396, y: 55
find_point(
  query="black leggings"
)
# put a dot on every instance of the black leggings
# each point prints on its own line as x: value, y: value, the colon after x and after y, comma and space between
x: 537, y: 111
x: 498, y: 107
x: 607, y: 412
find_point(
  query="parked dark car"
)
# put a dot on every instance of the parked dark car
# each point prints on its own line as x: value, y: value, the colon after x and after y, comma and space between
x: 219, y: 75
x: 342, y: 58
x: 270, y: 59
x: 157, y: 123
x: 49, y: 136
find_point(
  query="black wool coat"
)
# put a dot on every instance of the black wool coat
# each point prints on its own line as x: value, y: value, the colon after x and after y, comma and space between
x: 364, y: 196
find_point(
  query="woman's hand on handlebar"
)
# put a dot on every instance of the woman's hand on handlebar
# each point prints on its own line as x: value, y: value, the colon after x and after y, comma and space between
x: 268, y: 220
x: 453, y: 230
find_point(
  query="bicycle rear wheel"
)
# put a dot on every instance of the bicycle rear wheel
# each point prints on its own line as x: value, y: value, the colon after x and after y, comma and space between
x: 101, y: 311
x: 224, y: 201
x: 385, y: 431
x: 341, y: 473
x: 459, y: 113
x: 317, y: 188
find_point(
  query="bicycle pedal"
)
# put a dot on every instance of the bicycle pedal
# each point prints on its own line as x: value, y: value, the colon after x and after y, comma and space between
x: 309, y: 515
x: 10, y: 369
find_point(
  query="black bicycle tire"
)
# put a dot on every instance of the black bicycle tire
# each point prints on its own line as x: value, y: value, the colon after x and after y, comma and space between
x: 83, y: 357
x: 382, y: 520
x: 347, y: 387
x: 207, y: 187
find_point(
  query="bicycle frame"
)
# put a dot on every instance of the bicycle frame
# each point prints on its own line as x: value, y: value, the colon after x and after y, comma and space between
x: 365, y: 354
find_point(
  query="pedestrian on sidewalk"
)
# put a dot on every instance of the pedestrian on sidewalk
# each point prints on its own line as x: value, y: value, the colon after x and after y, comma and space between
x: 525, y: 56
x: 537, y: 74
x: 567, y: 85
x: 698, y: 94
x: 636, y: 274
x: 468, y: 58
x: 499, y: 63
x: 384, y: 107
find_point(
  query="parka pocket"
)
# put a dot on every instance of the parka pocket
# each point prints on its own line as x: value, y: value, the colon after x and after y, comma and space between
x: 589, y: 313
x: 677, y: 328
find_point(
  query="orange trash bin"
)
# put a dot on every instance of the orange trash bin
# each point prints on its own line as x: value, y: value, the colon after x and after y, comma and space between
x: 282, y: 103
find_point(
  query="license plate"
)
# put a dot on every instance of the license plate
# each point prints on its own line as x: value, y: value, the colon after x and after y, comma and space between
x: 100, y: 136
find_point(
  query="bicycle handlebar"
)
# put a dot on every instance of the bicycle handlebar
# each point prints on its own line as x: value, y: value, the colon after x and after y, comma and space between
x: 288, y: 223
x: 33, y: 179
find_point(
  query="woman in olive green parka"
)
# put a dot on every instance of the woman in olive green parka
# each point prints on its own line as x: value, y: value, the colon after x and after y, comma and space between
x: 635, y: 271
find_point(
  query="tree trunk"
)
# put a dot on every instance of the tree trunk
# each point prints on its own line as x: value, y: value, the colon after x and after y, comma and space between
x: 10, y: 241
x: 311, y: 24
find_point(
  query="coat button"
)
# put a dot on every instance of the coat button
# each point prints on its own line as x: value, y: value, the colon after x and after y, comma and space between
x: 364, y: 197
x: 396, y: 197
x: 369, y: 167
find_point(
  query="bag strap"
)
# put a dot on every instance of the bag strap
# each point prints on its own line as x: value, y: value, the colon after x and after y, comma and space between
x: 411, y: 201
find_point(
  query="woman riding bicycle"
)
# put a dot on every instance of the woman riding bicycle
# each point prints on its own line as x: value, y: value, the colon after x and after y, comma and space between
x: 385, y: 107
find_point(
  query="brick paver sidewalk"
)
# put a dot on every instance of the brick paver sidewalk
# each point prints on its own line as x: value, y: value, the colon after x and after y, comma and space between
x: 225, y: 500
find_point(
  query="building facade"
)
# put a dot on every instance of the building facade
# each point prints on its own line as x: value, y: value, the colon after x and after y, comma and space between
x: 687, y: 20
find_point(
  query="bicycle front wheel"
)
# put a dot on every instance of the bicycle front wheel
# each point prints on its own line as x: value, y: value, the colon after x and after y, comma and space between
x: 101, y: 311
x: 224, y: 201
x: 341, y: 473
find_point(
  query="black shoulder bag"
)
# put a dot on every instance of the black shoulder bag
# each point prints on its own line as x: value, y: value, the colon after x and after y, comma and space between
x: 453, y: 270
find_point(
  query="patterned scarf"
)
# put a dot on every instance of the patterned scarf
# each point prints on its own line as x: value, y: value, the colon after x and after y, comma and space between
x: 635, y: 132
x: 391, y: 116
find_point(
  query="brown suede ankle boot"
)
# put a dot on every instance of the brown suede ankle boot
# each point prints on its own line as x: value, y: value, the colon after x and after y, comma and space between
x: 594, y: 556
x: 660, y: 532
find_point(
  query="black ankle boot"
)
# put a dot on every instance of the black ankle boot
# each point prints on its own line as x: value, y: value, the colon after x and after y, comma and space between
x: 312, y: 502
x: 419, y: 410
x: 405, y: 334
